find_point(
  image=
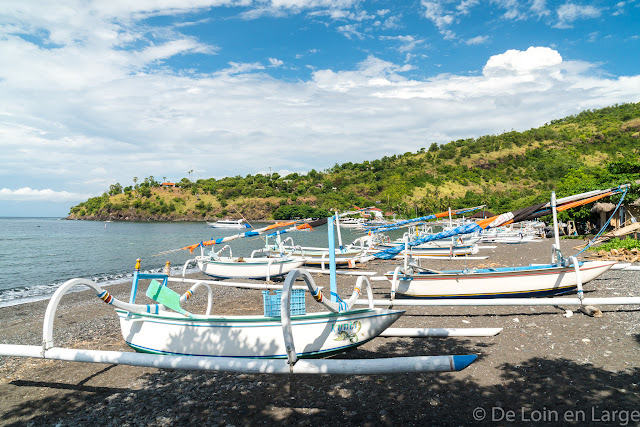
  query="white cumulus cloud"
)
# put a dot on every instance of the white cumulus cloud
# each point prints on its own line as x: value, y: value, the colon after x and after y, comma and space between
x: 516, y: 61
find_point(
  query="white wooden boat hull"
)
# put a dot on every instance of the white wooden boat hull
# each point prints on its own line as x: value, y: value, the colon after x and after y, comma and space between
x: 314, y: 334
x: 318, y: 257
x: 445, y: 243
x: 495, y: 236
x: 250, y: 268
x: 422, y: 251
x: 499, y: 283
x: 319, y: 261
x: 511, y: 239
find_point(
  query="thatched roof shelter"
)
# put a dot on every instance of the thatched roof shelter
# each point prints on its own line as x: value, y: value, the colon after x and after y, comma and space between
x: 602, y: 207
x: 482, y: 214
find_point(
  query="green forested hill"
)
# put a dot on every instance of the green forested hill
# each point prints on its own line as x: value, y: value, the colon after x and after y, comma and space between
x: 591, y: 150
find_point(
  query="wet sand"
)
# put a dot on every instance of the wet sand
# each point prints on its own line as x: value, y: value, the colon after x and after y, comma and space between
x: 542, y: 367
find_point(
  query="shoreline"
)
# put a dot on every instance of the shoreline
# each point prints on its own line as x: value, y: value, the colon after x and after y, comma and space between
x: 107, y: 283
x: 541, y: 361
x: 268, y: 221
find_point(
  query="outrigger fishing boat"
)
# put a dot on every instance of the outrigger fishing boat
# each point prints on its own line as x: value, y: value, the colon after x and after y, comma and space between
x: 230, y: 267
x: 560, y: 276
x: 439, y: 250
x: 314, y: 256
x: 254, y: 267
x: 530, y: 232
x: 504, y: 282
x: 165, y: 335
x: 318, y: 256
x: 154, y: 330
x: 447, y: 247
x: 370, y: 217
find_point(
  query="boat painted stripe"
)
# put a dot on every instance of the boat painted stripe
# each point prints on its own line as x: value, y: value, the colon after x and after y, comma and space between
x: 246, y: 277
x: 322, y: 353
x: 488, y: 275
x: 318, y: 254
x: 542, y: 292
x: 277, y: 324
x: 261, y: 322
x: 480, y: 276
x: 246, y: 263
x: 257, y: 317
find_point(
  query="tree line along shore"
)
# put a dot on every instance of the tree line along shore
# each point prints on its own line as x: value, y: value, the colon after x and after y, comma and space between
x: 591, y: 150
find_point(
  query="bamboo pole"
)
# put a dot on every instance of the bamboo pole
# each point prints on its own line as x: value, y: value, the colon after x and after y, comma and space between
x: 490, y: 302
x: 246, y: 365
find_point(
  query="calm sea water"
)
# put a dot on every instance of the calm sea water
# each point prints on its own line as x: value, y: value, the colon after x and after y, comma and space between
x: 39, y: 254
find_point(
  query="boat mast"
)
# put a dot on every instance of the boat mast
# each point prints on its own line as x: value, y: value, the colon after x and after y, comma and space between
x: 333, y: 286
x: 556, y: 246
x: 338, y: 230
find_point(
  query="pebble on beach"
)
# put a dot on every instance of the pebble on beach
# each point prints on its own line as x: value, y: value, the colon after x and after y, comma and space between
x: 545, y: 359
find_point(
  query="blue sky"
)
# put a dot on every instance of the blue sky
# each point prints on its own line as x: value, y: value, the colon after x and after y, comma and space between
x: 98, y: 92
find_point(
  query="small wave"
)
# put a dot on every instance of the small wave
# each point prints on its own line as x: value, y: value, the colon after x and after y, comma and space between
x: 27, y: 294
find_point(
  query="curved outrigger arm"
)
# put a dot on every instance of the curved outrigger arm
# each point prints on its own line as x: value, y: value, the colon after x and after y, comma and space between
x: 395, y: 280
x: 189, y: 293
x: 316, y: 293
x: 47, y: 331
x: 216, y: 255
x: 49, y: 316
x: 394, y: 283
x: 281, y: 244
x: 186, y: 265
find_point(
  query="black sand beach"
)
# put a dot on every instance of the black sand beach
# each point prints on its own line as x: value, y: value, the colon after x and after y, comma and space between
x: 543, y: 367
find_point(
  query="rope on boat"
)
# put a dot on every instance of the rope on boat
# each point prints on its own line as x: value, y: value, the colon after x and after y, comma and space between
x: 519, y: 215
x: 604, y: 227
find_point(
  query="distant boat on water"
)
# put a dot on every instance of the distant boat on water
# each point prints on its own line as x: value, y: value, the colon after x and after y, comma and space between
x: 229, y: 223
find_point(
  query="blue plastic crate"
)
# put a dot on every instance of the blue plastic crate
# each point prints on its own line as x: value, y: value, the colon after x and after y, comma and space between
x: 272, y: 303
